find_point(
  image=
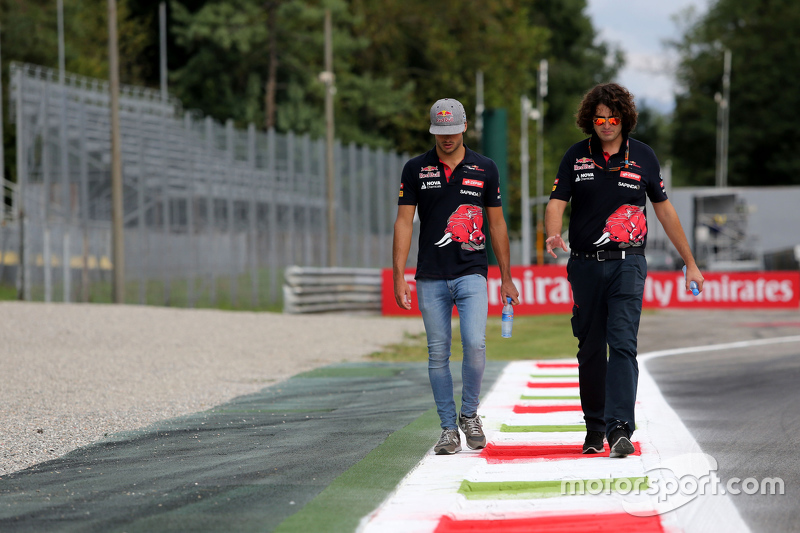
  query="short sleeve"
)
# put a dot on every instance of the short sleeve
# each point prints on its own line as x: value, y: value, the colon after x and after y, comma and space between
x: 656, y: 190
x: 491, y: 196
x: 408, y: 187
x: 562, y: 186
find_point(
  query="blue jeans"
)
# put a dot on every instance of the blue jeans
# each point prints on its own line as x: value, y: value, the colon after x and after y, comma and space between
x: 436, y: 299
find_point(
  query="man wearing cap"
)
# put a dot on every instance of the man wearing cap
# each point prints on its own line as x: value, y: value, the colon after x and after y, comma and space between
x: 608, y: 178
x: 452, y: 187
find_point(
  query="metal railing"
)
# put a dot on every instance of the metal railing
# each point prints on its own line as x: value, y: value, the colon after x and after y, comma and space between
x: 314, y: 290
x: 213, y: 214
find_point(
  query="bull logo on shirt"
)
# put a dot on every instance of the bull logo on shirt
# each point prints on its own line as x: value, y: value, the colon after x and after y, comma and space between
x: 627, y: 226
x: 464, y: 226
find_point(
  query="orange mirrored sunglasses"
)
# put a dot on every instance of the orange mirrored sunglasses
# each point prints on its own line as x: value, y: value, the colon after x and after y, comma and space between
x: 614, y: 121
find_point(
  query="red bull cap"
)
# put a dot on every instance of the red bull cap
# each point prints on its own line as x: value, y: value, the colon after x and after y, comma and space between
x: 447, y: 117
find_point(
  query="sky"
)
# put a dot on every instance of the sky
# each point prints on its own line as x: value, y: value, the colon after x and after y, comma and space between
x: 639, y: 28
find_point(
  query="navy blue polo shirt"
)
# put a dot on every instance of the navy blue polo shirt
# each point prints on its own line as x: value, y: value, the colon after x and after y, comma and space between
x: 608, y: 198
x: 451, y: 212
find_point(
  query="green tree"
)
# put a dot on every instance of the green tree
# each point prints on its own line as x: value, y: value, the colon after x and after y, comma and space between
x: 30, y: 35
x: 227, y: 43
x: 654, y: 129
x: 440, y: 47
x: 577, y: 61
x: 392, y: 59
x: 765, y: 47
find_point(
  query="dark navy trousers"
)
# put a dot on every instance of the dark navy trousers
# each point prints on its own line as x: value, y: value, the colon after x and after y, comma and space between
x: 605, y: 319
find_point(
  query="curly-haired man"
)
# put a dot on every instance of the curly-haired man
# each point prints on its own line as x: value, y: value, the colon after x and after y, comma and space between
x: 608, y: 177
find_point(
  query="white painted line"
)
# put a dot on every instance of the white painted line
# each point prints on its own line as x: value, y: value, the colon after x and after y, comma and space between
x: 671, y: 444
x: 715, y: 347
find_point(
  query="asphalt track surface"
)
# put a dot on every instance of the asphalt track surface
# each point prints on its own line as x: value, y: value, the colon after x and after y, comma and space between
x: 243, y: 466
x: 743, y: 408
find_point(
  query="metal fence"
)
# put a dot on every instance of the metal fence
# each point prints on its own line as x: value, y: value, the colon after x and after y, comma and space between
x: 212, y: 214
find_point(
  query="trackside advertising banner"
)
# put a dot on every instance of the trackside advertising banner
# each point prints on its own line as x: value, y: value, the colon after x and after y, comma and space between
x: 545, y: 290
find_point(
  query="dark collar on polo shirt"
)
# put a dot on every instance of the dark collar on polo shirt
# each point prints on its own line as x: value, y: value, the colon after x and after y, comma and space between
x: 596, y: 149
x: 432, y: 158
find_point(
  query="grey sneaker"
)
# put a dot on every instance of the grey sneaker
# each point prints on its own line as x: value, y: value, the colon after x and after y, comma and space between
x: 473, y: 430
x: 449, y: 443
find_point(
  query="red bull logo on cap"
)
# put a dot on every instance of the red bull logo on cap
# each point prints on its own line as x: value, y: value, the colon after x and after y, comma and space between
x: 446, y: 117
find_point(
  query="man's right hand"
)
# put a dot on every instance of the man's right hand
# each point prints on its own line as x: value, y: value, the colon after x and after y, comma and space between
x: 555, y: 242
x: 402, y: 294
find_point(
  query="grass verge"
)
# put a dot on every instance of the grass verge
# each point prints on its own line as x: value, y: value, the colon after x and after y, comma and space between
x: 535, y: 337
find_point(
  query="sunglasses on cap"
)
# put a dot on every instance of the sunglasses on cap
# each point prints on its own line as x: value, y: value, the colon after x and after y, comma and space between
x: 614, y: 121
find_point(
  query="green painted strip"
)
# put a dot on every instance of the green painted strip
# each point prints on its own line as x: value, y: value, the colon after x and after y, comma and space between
x: 523, y: 397
x: 501, y: 490
x: 505, y: 428
x: 359, y: 490
x: 554, y: 375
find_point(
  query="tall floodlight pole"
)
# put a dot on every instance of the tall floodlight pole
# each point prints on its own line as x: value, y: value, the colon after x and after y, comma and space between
x: 162, y: 48
x: 61, y: 54
x: 542, y: 93
x: 723, y: 121
x: 327, y: 78
x: 525, y: 193
x: 479, y: 108
x: 718, y: 166
x: 726, y: 111
x: 117, y: 244
x: 64, y: 158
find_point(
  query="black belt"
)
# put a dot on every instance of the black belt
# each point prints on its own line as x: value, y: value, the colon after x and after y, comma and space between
x: 602, y: 255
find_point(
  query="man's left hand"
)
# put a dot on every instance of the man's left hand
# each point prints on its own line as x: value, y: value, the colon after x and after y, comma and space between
x: 509, y: 290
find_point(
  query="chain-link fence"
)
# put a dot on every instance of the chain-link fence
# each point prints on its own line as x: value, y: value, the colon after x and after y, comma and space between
x: 213, y: 214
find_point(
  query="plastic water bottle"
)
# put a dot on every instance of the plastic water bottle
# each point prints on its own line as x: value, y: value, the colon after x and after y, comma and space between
x: 693, y: 284
x: 508, y: 318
